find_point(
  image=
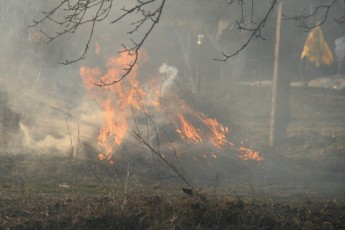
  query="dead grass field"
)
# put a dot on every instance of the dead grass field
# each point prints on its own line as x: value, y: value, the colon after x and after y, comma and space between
x: 298, y: 186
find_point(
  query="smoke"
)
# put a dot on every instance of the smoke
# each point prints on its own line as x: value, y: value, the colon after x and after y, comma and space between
x: 49, y: 144
x: 56, y: 113
x: 46, y: 94
x: 169, y: 74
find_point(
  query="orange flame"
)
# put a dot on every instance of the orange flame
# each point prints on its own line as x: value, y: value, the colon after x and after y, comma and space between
x: 187, y: 131
x: 249, y: 154
x: 116, y: 100
x: 218, y: 131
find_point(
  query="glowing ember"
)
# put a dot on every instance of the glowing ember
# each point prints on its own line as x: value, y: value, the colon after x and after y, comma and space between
x: 249, y: 154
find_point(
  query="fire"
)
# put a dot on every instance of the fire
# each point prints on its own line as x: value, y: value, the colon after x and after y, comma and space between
x: 198, y: 128
x: 249, y: 154
x: 89, y: 76
x: 187, y: 131
x: 120, y: 101
x: 112, y: 131
x: 115, y: 100
x: 218, y: 131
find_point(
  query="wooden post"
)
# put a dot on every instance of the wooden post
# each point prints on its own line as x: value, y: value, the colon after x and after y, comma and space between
x: 273, y: 118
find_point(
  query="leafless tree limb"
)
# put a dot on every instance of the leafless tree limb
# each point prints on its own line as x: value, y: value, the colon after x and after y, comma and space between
x: 76, y: 14
x: 147, y: 17
x: 255, y: 31
x: 70, y: 15
x: 320, y: 11
x: 161, y: 156
x: 156, y: 151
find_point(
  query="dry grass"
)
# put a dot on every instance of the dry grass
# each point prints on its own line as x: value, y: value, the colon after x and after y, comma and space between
x: 160, y: 209
x: 298, y: 186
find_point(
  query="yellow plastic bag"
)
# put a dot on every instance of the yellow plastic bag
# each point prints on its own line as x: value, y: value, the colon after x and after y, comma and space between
x: 316, y: 48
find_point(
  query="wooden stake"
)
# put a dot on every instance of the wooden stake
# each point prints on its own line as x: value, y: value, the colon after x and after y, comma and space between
x: 273, y: 131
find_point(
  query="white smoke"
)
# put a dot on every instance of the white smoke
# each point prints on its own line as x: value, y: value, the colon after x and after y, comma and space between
x: 46, y: 144
x: 169, y: 74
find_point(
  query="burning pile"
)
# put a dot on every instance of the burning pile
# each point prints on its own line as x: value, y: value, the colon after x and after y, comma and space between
x: 121, y: 102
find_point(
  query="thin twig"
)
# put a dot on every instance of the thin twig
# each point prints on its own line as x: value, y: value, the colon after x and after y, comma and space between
x: 316, y: 13
x: 78, y: 142
x: 125, y: 189
x: 166, y: 161
x: 255, y: 33
x: 77, y: 14
x: 70, y: 152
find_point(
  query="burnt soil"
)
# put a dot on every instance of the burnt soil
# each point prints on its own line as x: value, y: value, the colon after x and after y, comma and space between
x: 299, y: 185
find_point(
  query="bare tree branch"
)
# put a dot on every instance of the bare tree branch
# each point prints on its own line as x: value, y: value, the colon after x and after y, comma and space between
x: 147, y: 16
x: 161, y: 156
x: 320, y: 11
x: 255, y: 32
x: 70, y: 15
x: 73, y: 17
